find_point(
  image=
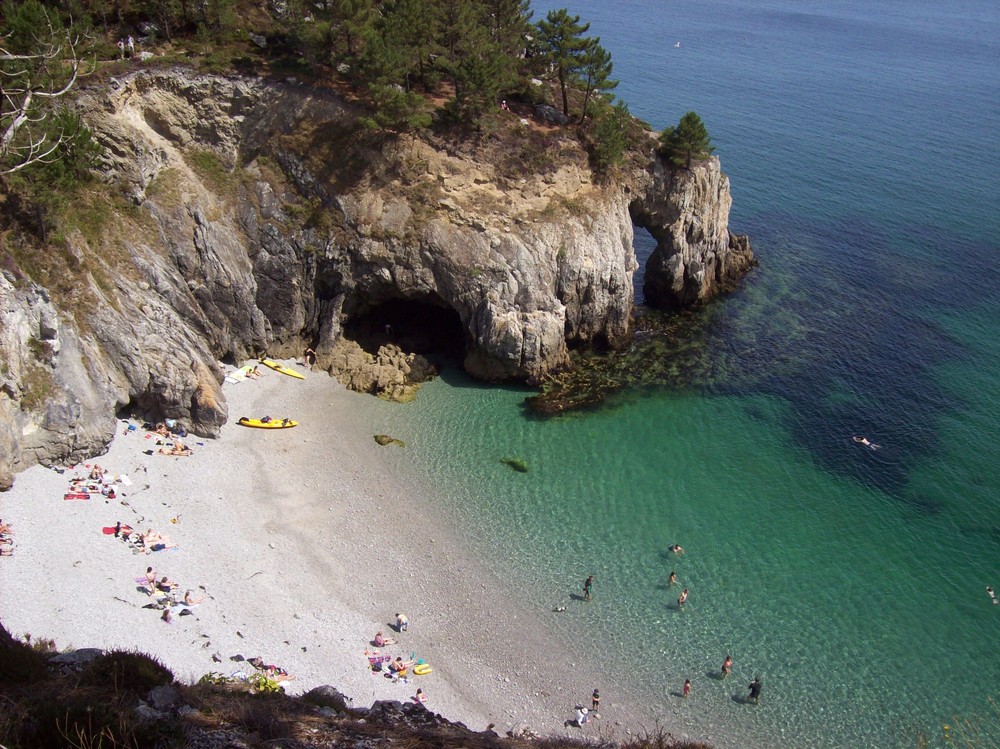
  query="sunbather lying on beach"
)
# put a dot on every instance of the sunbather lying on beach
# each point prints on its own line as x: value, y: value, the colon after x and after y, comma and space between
x: 178, y: 449
x: 380, y: 641
x: 4, y: 527
x: 150, y: 541
x: 161, y: 429
x: 276, y: 673
x: 190, y: 600
x: 399, y: 666
x: 122, y: 530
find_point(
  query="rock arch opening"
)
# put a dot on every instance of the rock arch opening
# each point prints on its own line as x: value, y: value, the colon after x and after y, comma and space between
x: 643, y: 243
x: 425, y: 325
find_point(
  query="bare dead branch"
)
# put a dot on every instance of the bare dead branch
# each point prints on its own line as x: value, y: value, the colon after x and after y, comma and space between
x: 37, y: 78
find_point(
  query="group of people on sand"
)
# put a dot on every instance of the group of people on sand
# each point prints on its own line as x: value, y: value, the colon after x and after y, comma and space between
x: 169, y: 435
x: 395, y: 668
x: 143, y: 543
x: 166, y: 592
x: 95, y: 481
x: 6, y: 539
x: 271, y: 671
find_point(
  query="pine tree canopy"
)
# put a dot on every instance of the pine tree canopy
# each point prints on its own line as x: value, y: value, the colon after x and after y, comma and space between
x: 687, y: 142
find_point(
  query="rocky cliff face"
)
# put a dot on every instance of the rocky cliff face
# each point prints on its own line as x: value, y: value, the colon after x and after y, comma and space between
x: 264, y: 220
x: 696, y: 256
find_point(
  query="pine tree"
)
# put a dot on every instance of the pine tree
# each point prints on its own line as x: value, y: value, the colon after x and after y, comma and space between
x: 686, y: 142
x: 509, y: 24
x: 415, y: 27
x: 596, y: 72
x: 474, y: 61
x: 610, y: 136
x: 349, y: 19
x: 563, y: 47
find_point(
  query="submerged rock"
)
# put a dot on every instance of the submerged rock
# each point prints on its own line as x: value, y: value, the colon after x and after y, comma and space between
x: 385, y: 439
x: 516, y: 464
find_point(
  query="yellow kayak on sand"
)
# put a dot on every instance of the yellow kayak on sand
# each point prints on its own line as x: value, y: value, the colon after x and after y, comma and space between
x: 283, y: 369
x: 269, y: 424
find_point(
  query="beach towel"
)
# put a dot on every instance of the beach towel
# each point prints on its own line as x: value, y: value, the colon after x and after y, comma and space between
x: 74, y: 495
x: 109, y: 530
x: 125, y: 480
x: 239, y: 375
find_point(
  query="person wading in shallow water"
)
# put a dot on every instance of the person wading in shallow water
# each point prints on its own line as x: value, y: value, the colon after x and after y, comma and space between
x: 754, y: 687
x: 588, y: 584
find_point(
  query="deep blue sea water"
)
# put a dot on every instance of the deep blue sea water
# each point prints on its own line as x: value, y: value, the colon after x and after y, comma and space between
x: 861, y: 138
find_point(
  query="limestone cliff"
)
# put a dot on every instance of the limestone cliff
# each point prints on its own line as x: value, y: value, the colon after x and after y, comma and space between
x: 262, y: 218
x: 696, y: 256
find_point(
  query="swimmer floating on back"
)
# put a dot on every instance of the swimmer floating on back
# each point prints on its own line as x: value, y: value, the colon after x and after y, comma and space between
x: 865, y: 441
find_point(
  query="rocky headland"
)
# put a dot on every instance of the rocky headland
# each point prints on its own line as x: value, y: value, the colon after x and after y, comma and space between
x: 254, y: 216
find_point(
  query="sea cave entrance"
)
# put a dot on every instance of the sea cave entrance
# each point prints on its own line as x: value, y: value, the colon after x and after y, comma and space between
x: 426, y: 326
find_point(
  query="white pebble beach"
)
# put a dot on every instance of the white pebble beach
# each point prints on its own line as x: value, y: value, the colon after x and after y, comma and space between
x: 301, y: 558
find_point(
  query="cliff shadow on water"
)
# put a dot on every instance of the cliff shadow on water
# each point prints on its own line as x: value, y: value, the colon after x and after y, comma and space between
x: 819, y: 326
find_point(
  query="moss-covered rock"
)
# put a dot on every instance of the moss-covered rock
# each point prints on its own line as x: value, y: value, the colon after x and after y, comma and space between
x: 385, y: 439
x: 516, y: 464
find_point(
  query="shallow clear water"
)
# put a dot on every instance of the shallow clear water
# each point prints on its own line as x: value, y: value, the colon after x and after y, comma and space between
x: 861, y: 140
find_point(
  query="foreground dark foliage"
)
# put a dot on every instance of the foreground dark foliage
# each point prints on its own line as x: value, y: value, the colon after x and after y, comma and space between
x: 127, y: 700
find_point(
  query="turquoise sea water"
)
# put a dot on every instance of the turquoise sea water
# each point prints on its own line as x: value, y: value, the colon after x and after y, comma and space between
x: 861, y: 139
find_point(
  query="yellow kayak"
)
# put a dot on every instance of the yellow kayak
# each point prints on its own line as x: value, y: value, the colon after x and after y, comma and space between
x: 269, y: 424
x: 280, y: 368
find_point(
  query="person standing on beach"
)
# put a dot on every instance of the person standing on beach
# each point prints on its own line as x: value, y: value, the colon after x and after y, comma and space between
x: 687, y: 688
x: 727, y: 666
x: 587, y: 585
x: 402, y: 622
x: 682, y: 599
x: 595, y: 701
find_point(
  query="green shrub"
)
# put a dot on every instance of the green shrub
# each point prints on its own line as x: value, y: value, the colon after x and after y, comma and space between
x: 128, y: 671
x: 23, y: 663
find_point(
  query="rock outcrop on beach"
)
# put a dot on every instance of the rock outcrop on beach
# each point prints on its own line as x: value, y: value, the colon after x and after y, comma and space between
x: 259, y: 217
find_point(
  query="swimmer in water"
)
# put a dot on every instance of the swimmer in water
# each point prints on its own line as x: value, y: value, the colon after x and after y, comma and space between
x: 865, y: 441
